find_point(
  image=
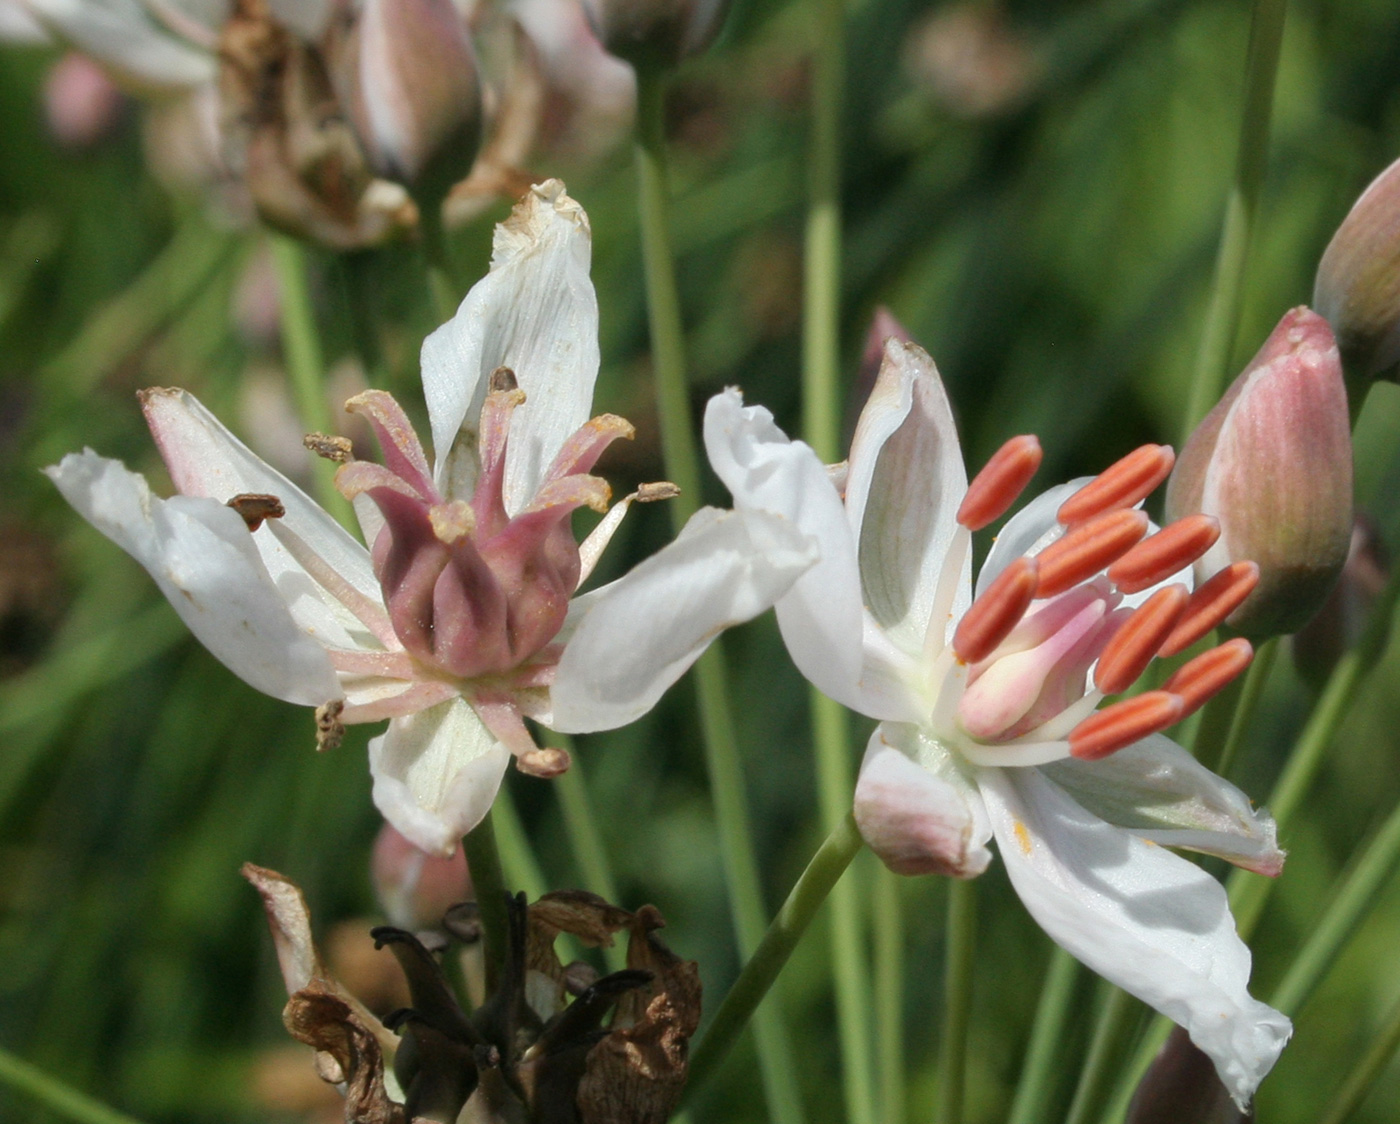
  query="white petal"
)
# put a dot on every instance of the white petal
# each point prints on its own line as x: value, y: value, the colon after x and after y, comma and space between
x: 18, y: 26
x: 436, y: 774
x: 917, y: 809
x: 205, y: 459
x: 639, y: 634
x: 201, y: 555
x: 122, y: 35
x: 1143, y: 918
x: 536, y: 313
x: 1158, y: 791
x: 904, y: 486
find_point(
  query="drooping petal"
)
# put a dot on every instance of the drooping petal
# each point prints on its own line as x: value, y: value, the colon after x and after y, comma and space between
x: 1158, y: 791
x: 201, y: 555
x: 905, y: 483
x: 638, y: 635
x: 123, y: 36
x: 536, y: 313
x: 766, y: 471
x: 436, y: 774
x: 1147, y: 920
x: 916, y: 808
x: 205, y: 459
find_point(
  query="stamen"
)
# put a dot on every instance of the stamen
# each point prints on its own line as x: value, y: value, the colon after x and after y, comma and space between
x: 502, y: 378
x: 1211, y: 604
x: 369, y: 613
x: 403, y: 453
x: 1198, y: 680
x: 1001, y: 481
x: 1087, y: 549
x: 1111, y: 729
x: 452, y: 521
x: 330, y: 446
x: 993, y: 615
x: 254, y: 507
x: 330, y: 731
x: 545, y: 763
x: 1121, y: 484
x: 591, y: 549
x: 1138, y: 639
x: 1159, y: 556
x: 416, y: 697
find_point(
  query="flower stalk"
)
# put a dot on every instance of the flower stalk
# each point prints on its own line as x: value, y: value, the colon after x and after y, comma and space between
x: 54, y: 1095
x: 1040, y: 1071
x: 959, y: 952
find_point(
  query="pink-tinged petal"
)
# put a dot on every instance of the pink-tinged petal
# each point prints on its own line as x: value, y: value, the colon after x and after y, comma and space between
x: 205, y: 459
x: 202, y: 556
x: 638, y: 635
x: 124, y: 37
x: 765, y: 471
x: 536, y: 313
x: 905, y: 484
x: 1143, y: 918
x: 1158, y: 791
x: 289, y: 918
x: 915, y: 807
x: 436, y: 774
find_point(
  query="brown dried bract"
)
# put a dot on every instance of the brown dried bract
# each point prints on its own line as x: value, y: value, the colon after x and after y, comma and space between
x: 323, y: 1020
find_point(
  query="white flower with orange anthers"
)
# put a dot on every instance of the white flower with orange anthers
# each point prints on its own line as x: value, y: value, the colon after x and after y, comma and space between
x: 462, y: 619
x: 988, y: 714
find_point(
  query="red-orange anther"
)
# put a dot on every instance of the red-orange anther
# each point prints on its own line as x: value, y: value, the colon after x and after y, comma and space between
x: 1138, y: 639
x: 1159, y: 556
x: 1196, y: 681
x: 993, y: 615
x: 1121, y: 484
x: 1087, y: 549
x: 1109, y: 730
x: 1211, y: 604
x: 1001, y: 480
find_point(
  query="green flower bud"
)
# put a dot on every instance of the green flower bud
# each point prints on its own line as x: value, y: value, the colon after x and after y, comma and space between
x: 1272, y: 462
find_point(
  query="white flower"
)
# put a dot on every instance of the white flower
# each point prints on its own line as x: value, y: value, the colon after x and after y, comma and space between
x: 461, y: 621
x: 987, y: 710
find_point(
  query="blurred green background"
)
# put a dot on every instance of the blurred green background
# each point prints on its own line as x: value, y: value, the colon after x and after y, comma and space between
x: 1034, y: 189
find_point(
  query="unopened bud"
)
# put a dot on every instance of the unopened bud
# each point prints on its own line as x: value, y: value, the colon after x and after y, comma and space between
x: 1342, y: 618
x: 1272, y: 462
x: 416, y: 889
x: 652, y: 34
x: 414, y: 93
x: 1181, y: 1087
x: 1358, y: 281
x: 81, y: 104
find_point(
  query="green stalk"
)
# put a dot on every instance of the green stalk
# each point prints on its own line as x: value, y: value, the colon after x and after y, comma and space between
x: 683, y: 467
x: 1241, y: 211
x: 1040, y: 1071
x: 1105, y: 1049
x: 437, y: 257
x: 586, y: 841
x: 821, y: 426
x: 520, y: 868
x: 807, y: 894
x: 957, y: 999
x: 1250, y: 694
x: 301, y: 347
x: 484, y: 862
x: 54, y: 1095
x: 1368, y: 1070
x: 889, y: 996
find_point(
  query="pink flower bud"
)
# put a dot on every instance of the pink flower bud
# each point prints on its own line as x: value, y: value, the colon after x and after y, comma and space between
x: 1272, y: 462
x: 81, y: 103
x: 415, y: 888
x: 413, y: 92
x: 656, y: 33
x: 1358, y: 281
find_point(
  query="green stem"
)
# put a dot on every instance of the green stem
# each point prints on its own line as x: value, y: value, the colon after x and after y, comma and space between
x: 520, y: 868
x: 484, y: 862
x: 1040, y: 1071
x: 957, y: 999
x: 683, y: 467
x: 1250, y: 694
x: 437, y: 257
x: 807, y: 894
x: 1241, y: 210
x: 301, y: 348
x: 889, y: 996
x: 586, y: 841
x: 54, y: 1095
x: 1368, y: 1070
x: 1105, y: 1048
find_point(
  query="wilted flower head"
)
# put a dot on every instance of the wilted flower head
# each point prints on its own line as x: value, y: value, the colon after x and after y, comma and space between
x: 1272, y: 462
x: 987, y: 706
x: 461, y: 621
x: 654, y: 34
x: 1358, y: 282
x: 553, y: 1042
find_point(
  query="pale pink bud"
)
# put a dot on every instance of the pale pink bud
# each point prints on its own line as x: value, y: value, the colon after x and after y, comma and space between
x: 654, y: 34
x: 1272, y: 462
x: 1358, y: 281
x: 415, y: 888
x: 1182, y: 1087
x: 81, y: 104
x: 414, y: 93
